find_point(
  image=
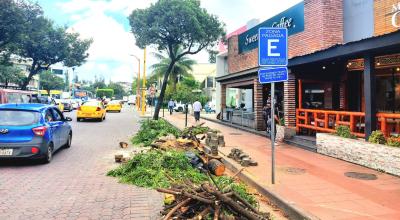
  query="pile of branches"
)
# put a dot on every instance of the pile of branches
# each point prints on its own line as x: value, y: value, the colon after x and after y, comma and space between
x: 207, y: 201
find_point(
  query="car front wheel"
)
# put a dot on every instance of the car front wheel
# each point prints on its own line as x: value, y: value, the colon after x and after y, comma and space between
x: 69, y: 141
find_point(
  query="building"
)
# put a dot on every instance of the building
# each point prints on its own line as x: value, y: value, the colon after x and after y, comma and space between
x: 205, y: 74
x: 344, y: 67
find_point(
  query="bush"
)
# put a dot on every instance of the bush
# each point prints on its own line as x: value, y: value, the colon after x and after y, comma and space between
x: 153, y: 129
x: 377, y: 137
x: 109, y: 93
x: 344, y: 131
x: 393, y: 141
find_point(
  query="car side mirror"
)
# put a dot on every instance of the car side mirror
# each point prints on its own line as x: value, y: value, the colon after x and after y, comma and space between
x: 68, y: 119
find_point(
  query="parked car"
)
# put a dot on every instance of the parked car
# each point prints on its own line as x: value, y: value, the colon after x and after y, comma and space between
x: 91, y: 110
x: 33, y: 131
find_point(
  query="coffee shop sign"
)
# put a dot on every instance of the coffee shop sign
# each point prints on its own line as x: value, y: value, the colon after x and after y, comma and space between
x: 283, y: 23
x: 396, y: 15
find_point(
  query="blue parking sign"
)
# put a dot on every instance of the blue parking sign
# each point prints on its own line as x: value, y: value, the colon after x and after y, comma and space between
x: 273, y: 47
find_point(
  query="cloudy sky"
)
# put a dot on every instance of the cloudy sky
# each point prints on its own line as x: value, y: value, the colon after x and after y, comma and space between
x: 105, y: 21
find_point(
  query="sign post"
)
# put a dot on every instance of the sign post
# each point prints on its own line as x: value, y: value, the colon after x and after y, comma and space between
x: 273, y: 56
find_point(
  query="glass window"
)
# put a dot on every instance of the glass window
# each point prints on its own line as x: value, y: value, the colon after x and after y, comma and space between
x: 388, y: 92
x: 14, y: 97
x: 49, y: 116
x: 57, y: 115
x: 18, y: 118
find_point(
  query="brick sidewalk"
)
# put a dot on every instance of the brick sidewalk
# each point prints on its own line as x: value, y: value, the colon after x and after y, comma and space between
x: 311, y: 181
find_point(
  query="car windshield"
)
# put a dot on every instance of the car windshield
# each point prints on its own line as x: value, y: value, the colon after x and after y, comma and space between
x: 91, y: 104
x: 18, y: 118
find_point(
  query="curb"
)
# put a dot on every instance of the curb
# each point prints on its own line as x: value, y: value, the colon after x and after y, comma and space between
x: 290, y: 209
x: 287, y: 207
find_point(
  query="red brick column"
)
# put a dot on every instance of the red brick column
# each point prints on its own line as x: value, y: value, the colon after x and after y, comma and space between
x: 258, y: 105
x: 289, y: 102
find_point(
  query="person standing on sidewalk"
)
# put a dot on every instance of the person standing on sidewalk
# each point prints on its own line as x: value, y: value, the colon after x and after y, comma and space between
x: 197, y: 109
x: 171, y: 105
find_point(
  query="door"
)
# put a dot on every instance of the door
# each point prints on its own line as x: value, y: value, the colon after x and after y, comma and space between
x: 54, y: 126
x: 354, y: 91
x: 60, y: 127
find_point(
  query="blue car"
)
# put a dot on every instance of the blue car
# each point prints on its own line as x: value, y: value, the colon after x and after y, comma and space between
x: 33, y: 131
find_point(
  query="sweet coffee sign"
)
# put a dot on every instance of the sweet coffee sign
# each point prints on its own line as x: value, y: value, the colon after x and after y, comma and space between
x: 396, y: 15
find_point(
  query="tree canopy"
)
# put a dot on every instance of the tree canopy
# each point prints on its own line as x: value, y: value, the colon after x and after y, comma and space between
x: 50, y: 81
x: 168, y: 24
x: 11, y: 74
x: 181, y: 68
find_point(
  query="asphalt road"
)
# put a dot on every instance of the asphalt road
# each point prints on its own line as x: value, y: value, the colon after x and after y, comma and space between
x: 74, y: 184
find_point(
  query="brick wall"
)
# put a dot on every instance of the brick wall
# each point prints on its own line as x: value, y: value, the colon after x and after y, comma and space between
x: 323, y: 28
x: 289, y: 101
x: 258, y: 105
x: 383, y: 16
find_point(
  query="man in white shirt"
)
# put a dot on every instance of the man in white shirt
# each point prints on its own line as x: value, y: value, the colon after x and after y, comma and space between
x: 197, y: 109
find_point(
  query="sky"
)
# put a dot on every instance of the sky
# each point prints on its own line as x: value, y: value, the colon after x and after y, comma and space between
x: 105, y: 21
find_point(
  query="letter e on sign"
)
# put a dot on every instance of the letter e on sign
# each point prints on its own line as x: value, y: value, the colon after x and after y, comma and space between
x: 271, y: 47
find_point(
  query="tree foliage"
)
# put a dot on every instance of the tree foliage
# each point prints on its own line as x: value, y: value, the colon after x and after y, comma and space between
x: 181, y: 68
x: 168, y: 24
x: 50, y: 81
x: 15, y: 16
x: 10, y: 74
x: 109, y: 93
x: 118, y: 90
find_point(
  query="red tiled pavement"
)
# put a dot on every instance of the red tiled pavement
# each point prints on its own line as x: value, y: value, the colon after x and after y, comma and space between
x: 322, y: 189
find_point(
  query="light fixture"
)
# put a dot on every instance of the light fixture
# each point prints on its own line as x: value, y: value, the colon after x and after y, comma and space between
x: 378, y: 63
x: 398, y: 69
x: 323, y: 67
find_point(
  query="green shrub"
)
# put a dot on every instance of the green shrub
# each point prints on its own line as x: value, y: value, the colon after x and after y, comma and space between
x: 344, y: 131
x: 105, y: 92
x: 153, y: 129
x: 377, y: 137
x: 393, y: 141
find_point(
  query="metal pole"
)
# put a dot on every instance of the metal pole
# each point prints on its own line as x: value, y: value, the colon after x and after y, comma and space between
x: 273, y: 132
x: 144, y: 82
x: 138, y: 86
x: 186, y: 114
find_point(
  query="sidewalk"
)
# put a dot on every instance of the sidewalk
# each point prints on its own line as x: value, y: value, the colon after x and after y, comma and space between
x: 310, y: 181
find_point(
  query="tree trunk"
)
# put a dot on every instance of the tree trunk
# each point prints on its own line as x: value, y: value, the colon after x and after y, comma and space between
x: 163, y: 87
x: 33, y: 71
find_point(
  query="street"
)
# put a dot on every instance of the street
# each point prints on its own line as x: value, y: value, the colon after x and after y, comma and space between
x: 74, y: 185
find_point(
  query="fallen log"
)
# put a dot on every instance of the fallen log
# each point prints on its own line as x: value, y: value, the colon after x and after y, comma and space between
x: 183, y: 203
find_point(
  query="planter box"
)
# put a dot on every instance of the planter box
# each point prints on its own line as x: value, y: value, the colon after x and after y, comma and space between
x: 283, y: 132
x: 375, y: 156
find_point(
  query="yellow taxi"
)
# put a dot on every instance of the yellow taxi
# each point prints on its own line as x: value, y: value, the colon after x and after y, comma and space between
x: 114, y: 106
x: 91, y: 110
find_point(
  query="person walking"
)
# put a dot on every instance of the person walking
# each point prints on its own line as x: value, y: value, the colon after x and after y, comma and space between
x: 267, y: 115
x: 197, y: 109
x: 171, y: 105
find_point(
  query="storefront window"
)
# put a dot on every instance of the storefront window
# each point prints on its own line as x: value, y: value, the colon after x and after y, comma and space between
x: 388, y: 91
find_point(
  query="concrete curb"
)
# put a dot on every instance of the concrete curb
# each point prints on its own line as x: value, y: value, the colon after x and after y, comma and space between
x: 287, y: 207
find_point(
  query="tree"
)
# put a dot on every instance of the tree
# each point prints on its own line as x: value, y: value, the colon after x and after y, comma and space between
x: 14, y: 17
x: 66, y: 85
x: 10, y: 74
x: 47, y: 44
x: 118, y: 90
x: 212, y: 56
x: 109, y: 93
x: 169, y: 24
x: 99, y: 83
x: 182, y: 67
x: 50, y: 81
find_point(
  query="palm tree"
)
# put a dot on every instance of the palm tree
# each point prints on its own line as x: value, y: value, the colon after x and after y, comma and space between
x: 181, y: 68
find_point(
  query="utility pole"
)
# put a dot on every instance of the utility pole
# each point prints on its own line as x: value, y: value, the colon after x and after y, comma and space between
x: 137, y: 84
x: 144, y: 82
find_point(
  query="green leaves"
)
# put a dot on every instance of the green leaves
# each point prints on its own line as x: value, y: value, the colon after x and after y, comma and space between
x: 152, y: 129
x: 49, y: 81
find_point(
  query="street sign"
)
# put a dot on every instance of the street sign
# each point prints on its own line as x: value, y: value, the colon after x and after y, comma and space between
x: 273, y: 54
x: 273, y: 47
x: 272, y: 75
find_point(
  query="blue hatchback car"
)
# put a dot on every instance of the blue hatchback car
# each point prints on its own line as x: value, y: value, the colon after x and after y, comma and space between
x: 33, y: 131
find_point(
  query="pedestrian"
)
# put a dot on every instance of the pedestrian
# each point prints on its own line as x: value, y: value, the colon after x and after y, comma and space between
x: 267, y: 115
x: 197, y: 109
x: 171, y: 105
